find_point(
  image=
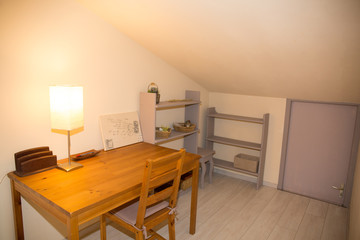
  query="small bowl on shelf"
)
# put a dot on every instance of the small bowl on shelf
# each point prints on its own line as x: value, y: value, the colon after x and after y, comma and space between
x: 184, y: 127
x: 162, y: 132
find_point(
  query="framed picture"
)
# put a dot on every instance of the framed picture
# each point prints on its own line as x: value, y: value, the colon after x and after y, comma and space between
x: 120, y: 129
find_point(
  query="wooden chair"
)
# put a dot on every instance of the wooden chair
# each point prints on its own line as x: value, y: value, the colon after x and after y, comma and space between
x: 153, y: 207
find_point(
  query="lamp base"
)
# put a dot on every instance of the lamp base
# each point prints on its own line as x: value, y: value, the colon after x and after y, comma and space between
x: 69, y: 166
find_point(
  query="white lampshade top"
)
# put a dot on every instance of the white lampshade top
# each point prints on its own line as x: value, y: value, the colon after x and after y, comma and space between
x: 66, y: 107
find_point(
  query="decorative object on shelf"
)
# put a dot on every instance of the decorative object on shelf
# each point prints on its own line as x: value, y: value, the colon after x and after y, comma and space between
x: 85, y: 155
x: 184, y: 127
x: 66, y: 110
x: 34, y: 160
x: 246, y: 162
x: 162, y: 132
x: 153, y: 88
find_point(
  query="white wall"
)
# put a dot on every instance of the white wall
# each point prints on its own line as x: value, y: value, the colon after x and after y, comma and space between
x: 250, y: 106
x: 60, y: 42
x: 297, y: 49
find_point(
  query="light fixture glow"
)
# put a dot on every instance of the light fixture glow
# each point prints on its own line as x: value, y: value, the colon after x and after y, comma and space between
x: 66, y: 111
x: 66, y: 107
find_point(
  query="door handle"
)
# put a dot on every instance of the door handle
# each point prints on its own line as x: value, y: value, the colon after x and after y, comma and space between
x: 341, y: 190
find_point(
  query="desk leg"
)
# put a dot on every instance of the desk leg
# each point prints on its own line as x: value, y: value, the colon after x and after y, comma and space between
x: 73, y: 228
x: 18, y: 220
x: 194, y: 197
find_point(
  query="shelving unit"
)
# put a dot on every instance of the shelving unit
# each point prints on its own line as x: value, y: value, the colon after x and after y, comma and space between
x: 211, y: 138
x: 148, y: 108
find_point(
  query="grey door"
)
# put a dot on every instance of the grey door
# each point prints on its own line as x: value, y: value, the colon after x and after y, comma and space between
x: 319, y: 150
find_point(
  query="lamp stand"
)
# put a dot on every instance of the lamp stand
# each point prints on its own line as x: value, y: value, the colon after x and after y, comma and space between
x: 70, y: 165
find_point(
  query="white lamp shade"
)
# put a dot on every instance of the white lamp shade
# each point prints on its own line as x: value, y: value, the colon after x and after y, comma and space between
x: 66, y: 107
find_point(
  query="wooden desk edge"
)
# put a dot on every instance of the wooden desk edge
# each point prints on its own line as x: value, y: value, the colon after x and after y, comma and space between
x: 32, y: 196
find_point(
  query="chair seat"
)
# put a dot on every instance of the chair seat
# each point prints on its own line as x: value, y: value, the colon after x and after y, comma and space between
x: 129, y: 213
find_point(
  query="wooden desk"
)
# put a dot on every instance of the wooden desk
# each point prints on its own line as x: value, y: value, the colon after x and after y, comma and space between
x: 106, y: 181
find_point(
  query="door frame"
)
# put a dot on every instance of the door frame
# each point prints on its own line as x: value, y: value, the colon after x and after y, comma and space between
x: 354, y: 147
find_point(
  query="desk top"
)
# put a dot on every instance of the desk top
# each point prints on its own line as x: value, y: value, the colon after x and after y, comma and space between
x: 106, y: 176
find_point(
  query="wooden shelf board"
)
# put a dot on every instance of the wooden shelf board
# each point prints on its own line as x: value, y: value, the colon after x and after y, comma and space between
x: 170, y: 104
x: 234, y: 142
x: 237, y: 118
x: 174, y: 135
x: 230, y: 166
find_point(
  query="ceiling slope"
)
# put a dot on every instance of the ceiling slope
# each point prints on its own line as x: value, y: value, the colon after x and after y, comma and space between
x: 299, y: 49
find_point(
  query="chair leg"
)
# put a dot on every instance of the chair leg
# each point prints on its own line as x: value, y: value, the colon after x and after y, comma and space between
x: 139, y: 235
x: 171, y: 225
x: 103, y: 227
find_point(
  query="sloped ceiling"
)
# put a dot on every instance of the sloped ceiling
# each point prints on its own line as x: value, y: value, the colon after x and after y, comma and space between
x: 301, y: 49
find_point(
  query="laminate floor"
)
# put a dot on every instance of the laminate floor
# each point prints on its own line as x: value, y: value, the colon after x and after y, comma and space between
x: 232, y: 209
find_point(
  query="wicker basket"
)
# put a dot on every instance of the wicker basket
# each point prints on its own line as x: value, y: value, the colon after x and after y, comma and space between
x: 180, y: 127
x: 186, y: 181
x: 162, y: 134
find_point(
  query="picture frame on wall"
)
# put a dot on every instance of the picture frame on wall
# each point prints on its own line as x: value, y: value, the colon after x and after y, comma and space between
x: 120, y: 129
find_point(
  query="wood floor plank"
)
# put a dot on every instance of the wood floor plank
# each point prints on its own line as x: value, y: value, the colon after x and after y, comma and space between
x: 236, y: 225
x: 310, y: 228
x: 265, y: 223
x: 232, y: 209
x: 219, y: 199
x: 317, y: 208
x: 228, y: 213
x: 238, y: 222
x: 241, y: 198
x: 281, y: 233
x: 294, y: 213
x: 335, y: 223
x: 218, y: 223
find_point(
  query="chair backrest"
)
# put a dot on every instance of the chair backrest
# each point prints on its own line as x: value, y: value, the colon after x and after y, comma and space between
x: 163, y: 170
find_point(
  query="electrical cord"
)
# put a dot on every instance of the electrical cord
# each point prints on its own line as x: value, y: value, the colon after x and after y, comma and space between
x: 2, y: 179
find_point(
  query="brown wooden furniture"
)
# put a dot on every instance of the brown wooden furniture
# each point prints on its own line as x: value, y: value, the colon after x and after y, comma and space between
x: 106, y: 182
x: 153, y: 207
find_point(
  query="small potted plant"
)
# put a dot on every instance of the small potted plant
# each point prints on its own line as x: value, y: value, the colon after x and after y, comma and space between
x: 153, y: 88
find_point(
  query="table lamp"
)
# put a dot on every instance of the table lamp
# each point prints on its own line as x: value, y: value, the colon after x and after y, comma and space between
x: 66, y: 111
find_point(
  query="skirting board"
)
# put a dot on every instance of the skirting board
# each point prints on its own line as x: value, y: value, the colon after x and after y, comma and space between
x: 242, y: 176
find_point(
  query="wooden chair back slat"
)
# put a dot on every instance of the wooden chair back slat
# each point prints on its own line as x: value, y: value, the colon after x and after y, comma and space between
x: 160, y: 196
x: 164, y: 164
x: 164, y: 178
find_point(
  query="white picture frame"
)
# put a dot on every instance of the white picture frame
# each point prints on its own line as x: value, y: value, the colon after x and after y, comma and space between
x: 120, y: 129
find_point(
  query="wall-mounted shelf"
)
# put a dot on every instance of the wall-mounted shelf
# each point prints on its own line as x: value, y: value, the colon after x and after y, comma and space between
x: 211, y: 138
x: 173, y: 136
x: 148, y: 108
x: 172, y: 104
x: 234, y: 142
